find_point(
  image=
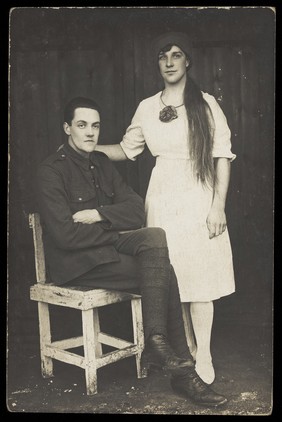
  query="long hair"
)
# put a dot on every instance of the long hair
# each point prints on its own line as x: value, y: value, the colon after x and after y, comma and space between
x: 200, y: 121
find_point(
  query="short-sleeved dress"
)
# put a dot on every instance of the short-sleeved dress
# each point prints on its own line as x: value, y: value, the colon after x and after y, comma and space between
x: 178, y: 203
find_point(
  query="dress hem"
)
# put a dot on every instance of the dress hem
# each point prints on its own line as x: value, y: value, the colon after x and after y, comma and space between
x: 207, y: 300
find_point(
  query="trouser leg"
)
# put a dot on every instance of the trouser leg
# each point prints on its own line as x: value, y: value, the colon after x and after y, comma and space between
x: 150, y: 248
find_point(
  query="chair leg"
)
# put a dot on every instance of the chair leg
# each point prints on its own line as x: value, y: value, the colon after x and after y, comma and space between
x: 190, y: 336
x: 138, y: 335
x: 45, y: 339
x: 90, y: 341
x: 96, y: 322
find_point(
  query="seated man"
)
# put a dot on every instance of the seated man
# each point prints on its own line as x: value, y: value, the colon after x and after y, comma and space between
x: 94, y: 236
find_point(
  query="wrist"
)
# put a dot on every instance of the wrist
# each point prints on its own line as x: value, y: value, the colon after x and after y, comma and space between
x: 98, y: 217
x: 219, y: 205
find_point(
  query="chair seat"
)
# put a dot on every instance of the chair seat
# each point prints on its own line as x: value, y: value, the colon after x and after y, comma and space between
x: 82, y: 298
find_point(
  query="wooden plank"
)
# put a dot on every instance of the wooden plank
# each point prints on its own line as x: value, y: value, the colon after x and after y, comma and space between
x: 137, y: 320
x: 77, y: 299
x: 113, y: 341
x: 51, y: 75
x: 90, y: 339
x: 138, y: 335
x: 34, y: 222
x: 106, y: 297
x: 249, y: 86
x: 188, y: 327
x: 116, y: 355
x: 56, y: 296
x: 97, y: 330
x: 45, y: 339
x: 68, y: 343
x: 234, y: 72
x: 65, y: 356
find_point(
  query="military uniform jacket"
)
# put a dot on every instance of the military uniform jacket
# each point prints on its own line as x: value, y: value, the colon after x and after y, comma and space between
x: 67, y: 183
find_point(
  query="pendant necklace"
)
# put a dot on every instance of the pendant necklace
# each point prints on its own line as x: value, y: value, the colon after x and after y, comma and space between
x: 168, y: 113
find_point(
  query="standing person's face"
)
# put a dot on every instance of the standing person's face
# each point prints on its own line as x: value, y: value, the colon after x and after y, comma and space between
x: 173, y: 65
x: 84, y: 130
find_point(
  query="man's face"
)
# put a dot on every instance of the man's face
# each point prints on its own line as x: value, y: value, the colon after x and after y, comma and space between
x: 84, y: 130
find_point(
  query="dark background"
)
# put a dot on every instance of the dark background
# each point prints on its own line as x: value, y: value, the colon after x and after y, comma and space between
x: 56, y: 54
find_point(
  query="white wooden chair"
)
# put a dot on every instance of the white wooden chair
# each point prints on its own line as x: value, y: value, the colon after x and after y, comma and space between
x: 188, y: 327
x: 88, y: 301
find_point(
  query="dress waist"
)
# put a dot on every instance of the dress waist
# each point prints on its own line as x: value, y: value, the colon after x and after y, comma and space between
x: 163, y: 158
x: 178, y: 165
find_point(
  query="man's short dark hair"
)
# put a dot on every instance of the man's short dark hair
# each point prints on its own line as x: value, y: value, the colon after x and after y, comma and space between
x: 78, y: 102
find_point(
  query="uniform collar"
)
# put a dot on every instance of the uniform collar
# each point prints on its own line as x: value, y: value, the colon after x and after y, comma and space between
x: 79, y: 159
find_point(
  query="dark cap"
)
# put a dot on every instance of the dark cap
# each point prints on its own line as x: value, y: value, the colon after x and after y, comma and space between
x: 180, y: 39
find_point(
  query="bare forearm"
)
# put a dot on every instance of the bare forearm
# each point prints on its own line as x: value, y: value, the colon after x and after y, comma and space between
x: 222, y: 168
x: 216, y: 219
x: 114, y: 151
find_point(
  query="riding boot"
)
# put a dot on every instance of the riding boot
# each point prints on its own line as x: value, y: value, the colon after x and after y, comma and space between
x: 175, y: 326
x: 155, y: 272
x: 158, y: 353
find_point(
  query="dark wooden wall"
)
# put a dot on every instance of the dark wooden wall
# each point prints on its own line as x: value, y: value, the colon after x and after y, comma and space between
x: 105, y: 53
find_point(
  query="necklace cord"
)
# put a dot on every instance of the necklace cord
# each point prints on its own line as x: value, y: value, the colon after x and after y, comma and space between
x: 166, y: 105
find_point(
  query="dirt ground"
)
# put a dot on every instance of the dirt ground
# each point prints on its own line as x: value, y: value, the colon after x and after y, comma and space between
x: 242, y: 360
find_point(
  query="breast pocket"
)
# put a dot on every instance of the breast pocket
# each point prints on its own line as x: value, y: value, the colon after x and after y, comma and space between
x: 82, y: 200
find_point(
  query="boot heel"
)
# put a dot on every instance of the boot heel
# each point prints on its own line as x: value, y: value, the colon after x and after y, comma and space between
x: 159, y: 354
x: 148, y: 364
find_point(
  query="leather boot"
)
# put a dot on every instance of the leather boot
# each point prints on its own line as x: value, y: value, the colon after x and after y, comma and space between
x: 190, y: 385
x: 159, y: 353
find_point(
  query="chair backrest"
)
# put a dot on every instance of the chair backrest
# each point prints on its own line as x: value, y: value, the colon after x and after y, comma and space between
x: 40, y: 268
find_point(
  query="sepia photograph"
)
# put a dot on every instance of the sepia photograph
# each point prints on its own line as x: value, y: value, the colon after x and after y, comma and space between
x: 140, y: 221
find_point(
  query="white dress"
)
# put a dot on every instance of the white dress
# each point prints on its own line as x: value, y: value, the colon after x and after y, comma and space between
x: 179, y: 204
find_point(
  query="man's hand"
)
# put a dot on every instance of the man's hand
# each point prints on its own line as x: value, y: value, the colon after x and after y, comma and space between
x: 87, y: 217
x: 216, y: 222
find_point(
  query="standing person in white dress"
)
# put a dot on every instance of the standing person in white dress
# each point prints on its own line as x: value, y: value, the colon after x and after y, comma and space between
x: 187, y: 132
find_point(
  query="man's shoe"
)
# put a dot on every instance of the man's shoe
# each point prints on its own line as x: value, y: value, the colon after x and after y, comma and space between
x: 158, y: 353
x: 190, y: 385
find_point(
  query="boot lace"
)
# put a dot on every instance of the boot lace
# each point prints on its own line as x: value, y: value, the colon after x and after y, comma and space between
x: 199, y: 383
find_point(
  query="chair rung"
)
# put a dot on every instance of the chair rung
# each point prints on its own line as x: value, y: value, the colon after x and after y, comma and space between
x: 116, y: 342
x: 77, y: 360
x: 116, y: 355
x: 64, y: 356
x: 73, y: 342
x: 68, y: 343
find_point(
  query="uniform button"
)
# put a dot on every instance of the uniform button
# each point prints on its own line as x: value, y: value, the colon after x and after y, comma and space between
x: 101, y: 206
x: 92, y: 167
x: 80, y: 199
x: 63, y: 155
x: 97, y: 186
